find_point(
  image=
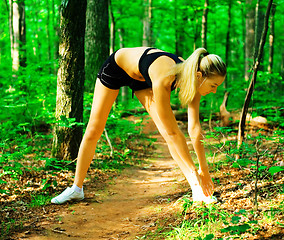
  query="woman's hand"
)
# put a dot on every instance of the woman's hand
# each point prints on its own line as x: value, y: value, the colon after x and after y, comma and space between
x: 206, y: 182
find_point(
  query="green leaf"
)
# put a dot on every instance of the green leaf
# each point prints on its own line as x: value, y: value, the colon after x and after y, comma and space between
x: 209, y: 237
x: 235, y: 219
x: 243, y: 162
x: 275, y: 169
x: 2, y: 182
x: 236, y: 229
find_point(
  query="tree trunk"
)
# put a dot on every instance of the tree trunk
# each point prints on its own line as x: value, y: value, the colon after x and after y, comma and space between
x: 17, y: 26
x: 204, y: 24
x: 22, y: 31
x: 97, y: 39
x: 55, y: 31
x: 48, y: 32
x: 224, y: 114
x: 228, y: 44
x: 124, y: 89
x: 181, y: 18
x: 196, y: 30
x: 271, y: 39
x: 253, y: 80
x: 70, y: 80
x: 259, y: 21
x: 112, y: 28
x: 147, y: 23
x: 249, y: 42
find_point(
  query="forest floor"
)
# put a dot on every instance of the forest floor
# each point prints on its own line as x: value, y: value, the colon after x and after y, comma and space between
x: 136, y: 201
x: 145, y: 201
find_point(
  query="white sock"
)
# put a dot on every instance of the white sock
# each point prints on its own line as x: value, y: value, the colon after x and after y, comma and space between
x: 76, y: 188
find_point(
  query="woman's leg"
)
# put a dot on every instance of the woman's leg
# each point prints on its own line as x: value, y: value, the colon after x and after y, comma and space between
x: 102, y: 103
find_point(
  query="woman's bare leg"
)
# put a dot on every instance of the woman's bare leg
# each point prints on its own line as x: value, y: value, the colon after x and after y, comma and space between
x: 102, y: 103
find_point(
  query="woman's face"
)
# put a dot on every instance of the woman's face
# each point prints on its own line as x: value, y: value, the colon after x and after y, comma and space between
x: 209, y: 84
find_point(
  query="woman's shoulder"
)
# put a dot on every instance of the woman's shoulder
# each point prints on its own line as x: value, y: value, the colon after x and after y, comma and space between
x: 132, y: 50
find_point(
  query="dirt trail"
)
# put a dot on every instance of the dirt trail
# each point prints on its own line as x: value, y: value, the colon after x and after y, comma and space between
x: 131, y: 205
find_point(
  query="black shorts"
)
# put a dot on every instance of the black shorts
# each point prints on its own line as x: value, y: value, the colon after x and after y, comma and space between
x: 114, y: 77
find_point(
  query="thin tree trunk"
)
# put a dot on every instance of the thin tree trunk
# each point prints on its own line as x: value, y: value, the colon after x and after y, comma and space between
x: 271, y: 39
x: 181, y: 18
x: 70, y: 81
x: 55, y: 31
x: 17, y: 25
x: 196, y: 32
x: 259, y: 21
x: 22, y: 34
x: 112, y: 29
x: 224, y: 114
x: 253, y: 80
x: 48, y: 32
x: 147, y: 23
x: 249, y: 42
x: 125, y: 89
x: 14, y: 36
x: 204, y: 24
x: 228, y: 43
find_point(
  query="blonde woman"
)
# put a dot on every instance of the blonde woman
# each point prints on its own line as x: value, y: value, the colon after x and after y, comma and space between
x: 152, y: 74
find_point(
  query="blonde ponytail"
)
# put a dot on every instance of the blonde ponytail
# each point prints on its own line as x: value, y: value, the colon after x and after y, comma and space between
x: 186, y: 72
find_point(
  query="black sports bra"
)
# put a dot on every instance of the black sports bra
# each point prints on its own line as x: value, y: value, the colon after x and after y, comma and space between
x: 147, y: 59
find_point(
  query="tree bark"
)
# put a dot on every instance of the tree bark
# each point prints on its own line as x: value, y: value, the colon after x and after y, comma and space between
x: 259, y: 21
x: 181, y: 18
x: 22, y: 31
x: 48, y: 32
x: 271, y: 39
x: 253, y: 80
x: 249, y: 42
x: 112, y: 28
x: 204, y: 24
x: 228, y: 43
x: 97, y: 39
x: 17, y: 27
x: 70, y: 80
x: 55, y: 31
x: 147, y: 23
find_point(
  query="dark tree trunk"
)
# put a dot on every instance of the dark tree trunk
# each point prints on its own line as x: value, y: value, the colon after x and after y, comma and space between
x: 70, y: 80
x: 22, y: 30
x: 97, y: 39
x: 254, y: 75
x: 204, y: 24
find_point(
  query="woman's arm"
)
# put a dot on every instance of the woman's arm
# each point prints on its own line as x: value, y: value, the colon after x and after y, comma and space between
x: 170, y: 130
x: 195, y: 132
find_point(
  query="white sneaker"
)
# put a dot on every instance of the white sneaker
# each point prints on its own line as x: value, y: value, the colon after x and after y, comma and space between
x: 67, y: 195
x: 198, y: 196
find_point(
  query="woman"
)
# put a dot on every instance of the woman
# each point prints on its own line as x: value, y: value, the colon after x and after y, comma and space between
x: 152, y: 74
